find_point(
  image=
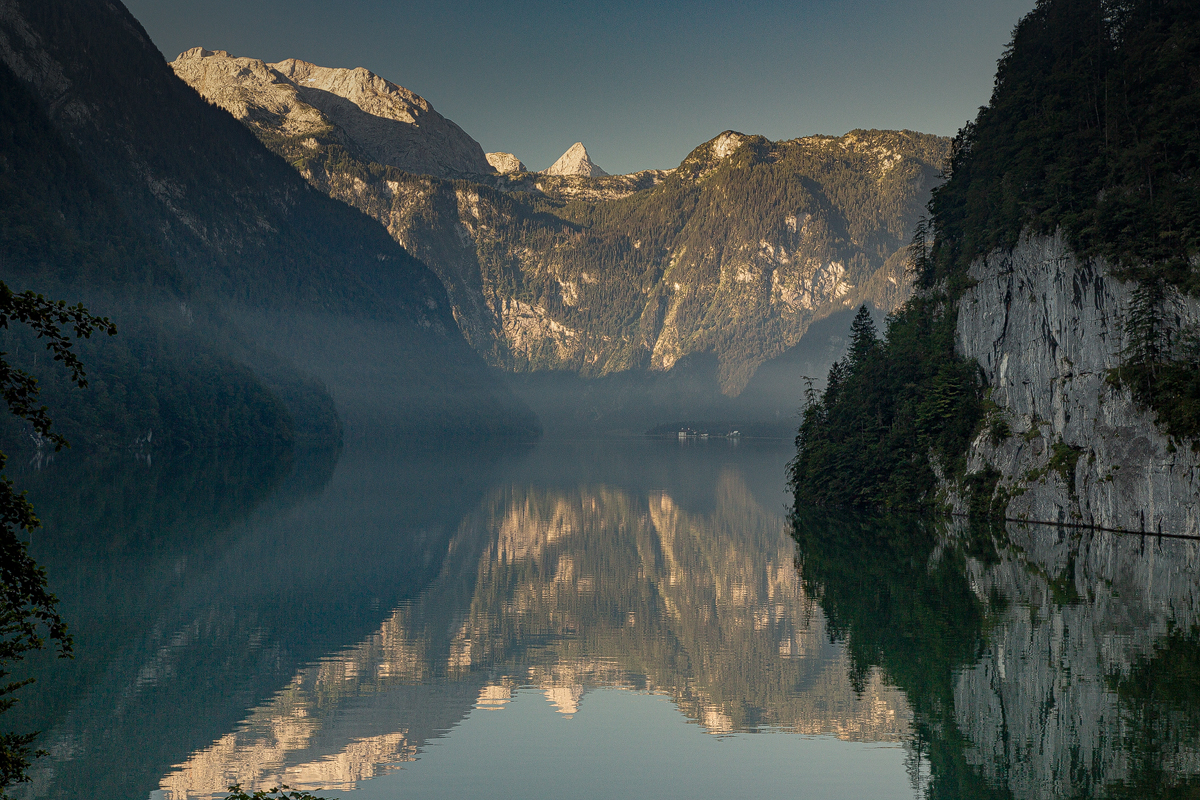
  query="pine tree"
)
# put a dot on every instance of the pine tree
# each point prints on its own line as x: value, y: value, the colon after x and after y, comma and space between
x: 863, y: 340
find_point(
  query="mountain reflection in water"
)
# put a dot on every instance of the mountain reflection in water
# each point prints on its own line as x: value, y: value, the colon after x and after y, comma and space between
x: 568, y: 585
x: 325, y: 622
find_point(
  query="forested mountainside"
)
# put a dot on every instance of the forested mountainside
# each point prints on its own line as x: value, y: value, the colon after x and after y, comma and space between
x: 63, y: 234
x: 733, y: 253
x: 1046, y: 368
x: 271, y: 279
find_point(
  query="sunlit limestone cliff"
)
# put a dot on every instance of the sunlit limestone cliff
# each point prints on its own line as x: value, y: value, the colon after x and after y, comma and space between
x: 375, y: 119
x: 1047, y: 328
x: 505, y: 163
x: 731, y: 255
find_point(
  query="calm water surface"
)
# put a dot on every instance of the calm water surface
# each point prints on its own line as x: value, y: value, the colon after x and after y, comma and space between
x: 591, y: 619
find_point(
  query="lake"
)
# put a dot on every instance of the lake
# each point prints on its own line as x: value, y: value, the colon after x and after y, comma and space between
x: 588, y: 619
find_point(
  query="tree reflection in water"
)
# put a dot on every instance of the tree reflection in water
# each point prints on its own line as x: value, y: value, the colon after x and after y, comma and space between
x: 1039, y: 662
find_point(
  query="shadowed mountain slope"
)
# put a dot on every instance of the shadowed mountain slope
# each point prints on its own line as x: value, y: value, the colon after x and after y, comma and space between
x: 281, y: 265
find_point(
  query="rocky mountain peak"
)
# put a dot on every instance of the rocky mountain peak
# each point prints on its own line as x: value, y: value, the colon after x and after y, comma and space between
x: 505, y: 163
x: 575, y: 162
x: 200, y: 52
x: 366, y: 90
x: 385, y: 122
x: 726, y: 143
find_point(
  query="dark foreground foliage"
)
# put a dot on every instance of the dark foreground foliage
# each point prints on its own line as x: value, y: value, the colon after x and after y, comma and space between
x: 28, y: 611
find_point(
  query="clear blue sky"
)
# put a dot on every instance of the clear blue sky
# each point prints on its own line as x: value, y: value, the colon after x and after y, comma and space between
x: 639, y: 83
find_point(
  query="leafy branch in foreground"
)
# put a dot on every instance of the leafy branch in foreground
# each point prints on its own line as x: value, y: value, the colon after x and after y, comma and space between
x: 47, y: 318
x: 27, y: 608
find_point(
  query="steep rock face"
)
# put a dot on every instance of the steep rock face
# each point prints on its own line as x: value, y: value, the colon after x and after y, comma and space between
x: 1045, y: 327
x: 1042, y: 730
x: 505, y: 163
x: 575, y: 161
x: 250, y: 90
x: 383, y: 122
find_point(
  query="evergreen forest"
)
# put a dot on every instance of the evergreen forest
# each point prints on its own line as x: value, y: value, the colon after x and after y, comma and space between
x: 1092, y: 129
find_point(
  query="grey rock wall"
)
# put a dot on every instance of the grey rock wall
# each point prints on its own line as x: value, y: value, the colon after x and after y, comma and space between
x: 1045, y: 327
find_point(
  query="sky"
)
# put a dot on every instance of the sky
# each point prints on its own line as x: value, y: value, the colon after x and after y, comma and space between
x: 639, y: 83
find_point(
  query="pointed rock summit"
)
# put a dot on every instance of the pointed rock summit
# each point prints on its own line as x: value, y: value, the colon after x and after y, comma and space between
x: 575, y: 162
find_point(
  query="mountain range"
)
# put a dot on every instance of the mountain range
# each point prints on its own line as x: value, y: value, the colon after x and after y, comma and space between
x: 730, y: 256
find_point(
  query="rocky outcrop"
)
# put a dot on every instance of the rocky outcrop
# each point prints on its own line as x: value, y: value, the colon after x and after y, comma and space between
x: 575, y: 162
x: 377, y: 119
x: 505, y: 163
x: 1045, y: 328
x: 593, y: 190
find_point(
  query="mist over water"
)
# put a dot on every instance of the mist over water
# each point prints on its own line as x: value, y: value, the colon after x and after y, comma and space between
x: 588, y: 618
x: 689, y: 394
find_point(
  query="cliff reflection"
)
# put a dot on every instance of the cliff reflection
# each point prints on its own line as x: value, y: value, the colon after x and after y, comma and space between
x: 1039, y: 662
x: 562, y: 589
